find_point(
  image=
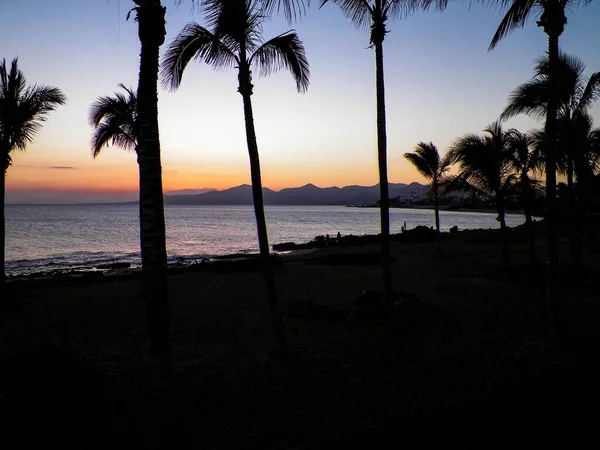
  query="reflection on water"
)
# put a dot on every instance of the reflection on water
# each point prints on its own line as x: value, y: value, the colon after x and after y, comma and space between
x: 46, y: 237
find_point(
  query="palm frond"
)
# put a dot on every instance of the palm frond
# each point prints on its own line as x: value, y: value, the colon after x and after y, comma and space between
x: 23, y: 109
x: 591, y: 93
x: 236, y: 23
x: 420, y: 164
x: 464, y: 183
x: 530, y: 98
x: 292, y: 9
x: 401, y: 9
x: 516, y: 17
x: 358, y: 11
x: 194, y: 42
x: 284, y: 51
x: 114, y: 121
x: 484, y: 161
x: 12, y: 81
x: 461, y: 147
x: 110, y: 133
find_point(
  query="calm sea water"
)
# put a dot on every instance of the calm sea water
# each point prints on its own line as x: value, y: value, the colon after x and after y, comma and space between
x: 51, y: 237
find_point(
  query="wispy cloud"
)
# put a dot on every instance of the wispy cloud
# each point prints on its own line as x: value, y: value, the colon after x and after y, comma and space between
x: 62, y: 167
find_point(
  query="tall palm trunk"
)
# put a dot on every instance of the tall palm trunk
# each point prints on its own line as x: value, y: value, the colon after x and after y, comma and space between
x: 151, y: 18
x: 259, y: 209
x: 384, y: 200
x: 500, y: 208
x: 527, y: 210
x: 570, y: 212
x: 553, y: 24
x: 436, y: 205
x: 578, y: 208
x: 580, y: 192
x: 3, y: 235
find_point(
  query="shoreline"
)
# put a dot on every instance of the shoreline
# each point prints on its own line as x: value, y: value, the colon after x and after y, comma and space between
x: 284, y: 252
x: 516, y: 212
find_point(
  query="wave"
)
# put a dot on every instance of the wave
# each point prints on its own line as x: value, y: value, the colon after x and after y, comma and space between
x: 89, y: 261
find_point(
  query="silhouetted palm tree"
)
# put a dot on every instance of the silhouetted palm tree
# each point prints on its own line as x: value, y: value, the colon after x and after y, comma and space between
x: 150, y: 15
x: 113, y: 120
x: 235, y: 41
x: 552, y: 19
x: 485, y: 171
x: 578, y: 139
x: 374, y: 14
x: 426, y: 159
x: 526, y: 159
x: 576, y: 95
x: 23, y: 110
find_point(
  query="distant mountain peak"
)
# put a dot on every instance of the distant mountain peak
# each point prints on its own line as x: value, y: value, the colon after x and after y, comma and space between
x: 309, y: 194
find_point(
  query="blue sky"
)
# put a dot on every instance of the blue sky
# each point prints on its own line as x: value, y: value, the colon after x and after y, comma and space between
x: 441, y: 82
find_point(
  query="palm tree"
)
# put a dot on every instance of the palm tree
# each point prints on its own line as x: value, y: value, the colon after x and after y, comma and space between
x: 150, y: 15
x: 426, y: 159
x: 552, y: 19
x: 575, y: 96
x: 375, y: 14
x: 113, y: 120
x: 486, y: 172
x: 578, y: 140
x: 526, y: 159
x: 235, y: 41
x: 23, y: 110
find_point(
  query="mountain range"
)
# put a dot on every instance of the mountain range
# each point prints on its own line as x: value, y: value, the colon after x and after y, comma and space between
x: 305, y: 195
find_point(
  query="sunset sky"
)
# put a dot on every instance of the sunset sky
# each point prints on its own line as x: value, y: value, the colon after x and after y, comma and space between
x: 441, y: 82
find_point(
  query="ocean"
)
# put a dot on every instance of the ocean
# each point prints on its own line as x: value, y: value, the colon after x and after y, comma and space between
x: 47, y: 238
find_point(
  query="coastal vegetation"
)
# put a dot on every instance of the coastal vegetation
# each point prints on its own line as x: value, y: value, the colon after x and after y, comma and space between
x: 23, y: 110
x: 426, y: 159
x: 552, y: 19
x: 113, y: 120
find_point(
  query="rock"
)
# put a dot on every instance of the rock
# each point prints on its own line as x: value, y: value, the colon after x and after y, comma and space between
x: 420, y: 233
x: 121, y: 265
x: 285, y: 246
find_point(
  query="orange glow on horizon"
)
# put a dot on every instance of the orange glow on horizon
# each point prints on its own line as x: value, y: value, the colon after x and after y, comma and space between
x: 125, y: 179
x: 116, y: 172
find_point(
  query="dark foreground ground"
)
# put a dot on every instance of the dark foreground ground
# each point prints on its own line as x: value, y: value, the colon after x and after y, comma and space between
x: 471, y: 365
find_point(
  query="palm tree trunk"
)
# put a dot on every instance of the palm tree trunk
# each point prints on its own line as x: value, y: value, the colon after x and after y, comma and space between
x: 551, y: 225
x: 570, y: 212
x: 384, y: 200
x: 436, y: 206
x: 503, y: 234
x: 533, y: 259
x: 579, y: 206
x: 151, y: 18
x: 261, y: 224
x: 527, y: 198
x: 3, y: 236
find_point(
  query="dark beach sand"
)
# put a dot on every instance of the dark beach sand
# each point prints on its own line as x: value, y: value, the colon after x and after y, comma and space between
x: 471, y: 366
